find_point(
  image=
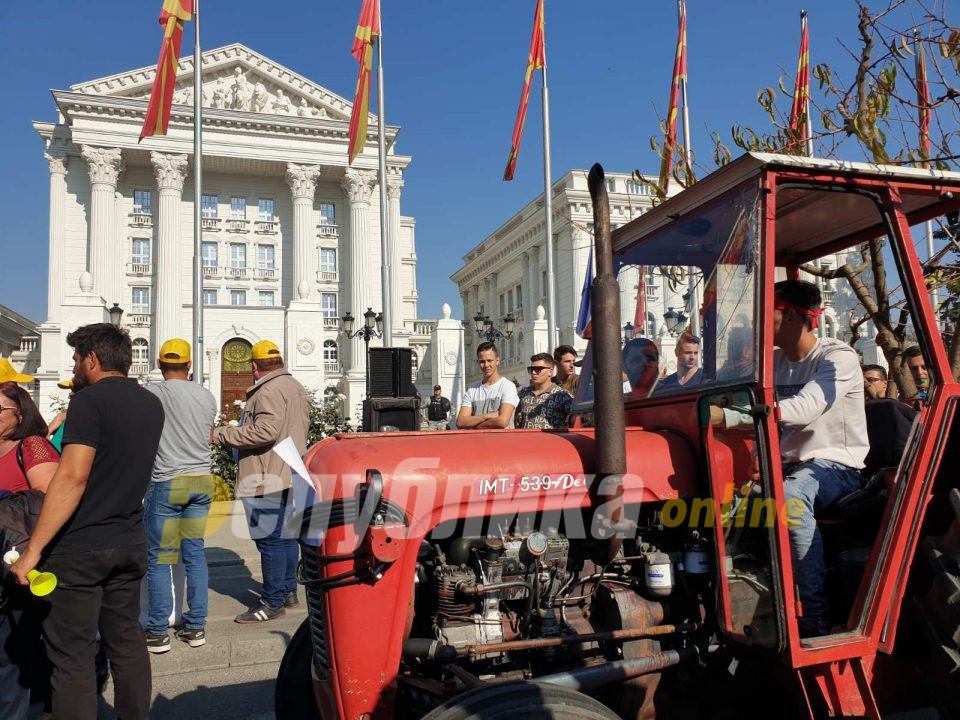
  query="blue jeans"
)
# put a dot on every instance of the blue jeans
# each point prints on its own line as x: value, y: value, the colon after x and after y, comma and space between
x: 175, y: 514
x: 817, y: 484
x: 279, y: 549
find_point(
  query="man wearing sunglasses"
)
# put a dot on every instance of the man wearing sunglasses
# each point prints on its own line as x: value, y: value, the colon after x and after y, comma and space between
x: 543, y: 404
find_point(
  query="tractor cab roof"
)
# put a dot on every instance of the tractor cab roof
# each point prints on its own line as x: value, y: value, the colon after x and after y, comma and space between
x: 810, y: 221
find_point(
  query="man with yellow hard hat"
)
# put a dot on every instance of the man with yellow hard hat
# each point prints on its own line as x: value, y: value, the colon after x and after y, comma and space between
x: 277, y: 407
x: 180, y: 490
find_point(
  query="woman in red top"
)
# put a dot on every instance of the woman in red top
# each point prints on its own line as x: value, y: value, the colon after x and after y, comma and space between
x: 22, y: 426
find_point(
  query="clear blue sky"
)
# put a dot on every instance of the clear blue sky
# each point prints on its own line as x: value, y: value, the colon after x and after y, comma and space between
x: 453, y: 77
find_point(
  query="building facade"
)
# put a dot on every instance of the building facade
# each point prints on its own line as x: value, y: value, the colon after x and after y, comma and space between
x: 290, y: 233
x: 506, y: 273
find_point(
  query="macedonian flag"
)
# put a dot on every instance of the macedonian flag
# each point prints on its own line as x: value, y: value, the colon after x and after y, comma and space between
x: 536, y: 59
x: 172, y: 17
x: 368, y: 29
x: 673, y: 109
x: 800, y: 110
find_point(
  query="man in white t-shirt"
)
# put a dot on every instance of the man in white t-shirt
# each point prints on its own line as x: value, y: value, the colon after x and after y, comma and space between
x: 823, y: 440
x: 489, y: 403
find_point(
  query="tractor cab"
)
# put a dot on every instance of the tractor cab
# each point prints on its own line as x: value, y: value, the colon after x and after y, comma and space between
x: 697, y: 272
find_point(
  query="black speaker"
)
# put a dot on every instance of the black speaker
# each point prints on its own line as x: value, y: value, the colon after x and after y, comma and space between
x: 391, y: 372
x: 400, y: 413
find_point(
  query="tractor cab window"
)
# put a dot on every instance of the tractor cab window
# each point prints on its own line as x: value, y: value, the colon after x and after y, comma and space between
x: 688, y: 302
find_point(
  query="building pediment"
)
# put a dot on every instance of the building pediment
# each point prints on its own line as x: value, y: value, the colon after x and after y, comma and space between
x: 234, y: 78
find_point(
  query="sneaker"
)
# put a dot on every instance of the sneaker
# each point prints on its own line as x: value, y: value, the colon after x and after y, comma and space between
x: 259, y: 612
x: 290, y: 600
x: 158, y: 644
x: 194, y: 637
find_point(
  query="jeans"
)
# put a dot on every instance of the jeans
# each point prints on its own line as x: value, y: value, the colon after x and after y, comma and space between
x: 817, y: 484
x: 279, y: 549
x: 19, y: 654
x: 175, y: 515
x: 97, y: 589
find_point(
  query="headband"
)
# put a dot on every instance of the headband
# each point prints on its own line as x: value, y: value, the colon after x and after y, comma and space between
x: 784, y: 306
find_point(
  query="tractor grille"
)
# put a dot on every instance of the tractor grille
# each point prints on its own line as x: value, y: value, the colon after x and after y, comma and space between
x: 310, y: 570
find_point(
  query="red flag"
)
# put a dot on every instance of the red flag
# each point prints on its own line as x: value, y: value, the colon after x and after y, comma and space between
x: 368, y: 29
x: 800, y: 111
x: 640, y: 314
x: 536, y: 59
x: 173, y: 15
x: 923, y: 102
x: 673, y: 110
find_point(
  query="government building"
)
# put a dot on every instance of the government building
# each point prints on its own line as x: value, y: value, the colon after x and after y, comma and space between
x: 291, y: 235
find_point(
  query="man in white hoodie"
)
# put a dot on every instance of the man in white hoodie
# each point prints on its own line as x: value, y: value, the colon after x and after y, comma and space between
x: 823, y: 441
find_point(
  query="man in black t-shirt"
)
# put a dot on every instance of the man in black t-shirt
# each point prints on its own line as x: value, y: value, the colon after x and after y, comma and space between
x: 90, y: 531
x: 438, y: 410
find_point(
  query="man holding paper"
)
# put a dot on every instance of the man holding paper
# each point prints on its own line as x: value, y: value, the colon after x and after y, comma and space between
x: 277, y: 408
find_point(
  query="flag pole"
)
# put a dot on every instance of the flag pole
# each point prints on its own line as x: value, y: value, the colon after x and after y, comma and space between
x: 386, y: 310
x: 693, y: 288
x: 923, y: 99
x: 548, y: 199
x: 198, y: 354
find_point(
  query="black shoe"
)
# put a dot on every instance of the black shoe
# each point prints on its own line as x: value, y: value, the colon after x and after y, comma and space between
x: 158, y: 644
x: 810, y: 627
x: 259, y: 612
x: 290, y: 600
x: 194, y: 637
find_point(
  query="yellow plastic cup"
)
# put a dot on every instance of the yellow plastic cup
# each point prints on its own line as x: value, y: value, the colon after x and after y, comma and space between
x: 41, y: 583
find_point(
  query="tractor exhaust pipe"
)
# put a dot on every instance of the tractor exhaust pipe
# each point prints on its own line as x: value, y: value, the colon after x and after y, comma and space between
x: 619, y: 670
x: 611, y: 447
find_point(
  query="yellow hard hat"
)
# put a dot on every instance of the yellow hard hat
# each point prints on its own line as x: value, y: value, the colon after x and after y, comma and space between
x: 175, y: 351
x: 66, y: 383
x: 8, y: 374
x: 264, y: 350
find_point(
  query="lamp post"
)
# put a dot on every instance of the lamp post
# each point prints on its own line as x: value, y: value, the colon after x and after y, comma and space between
x: 116, y: 313
x: 674, y: 320
x: 485, y: 328
x: 372, y: 327
x: 627, y: 333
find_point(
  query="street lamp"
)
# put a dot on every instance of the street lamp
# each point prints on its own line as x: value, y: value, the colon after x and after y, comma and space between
x: 627, y: 332
x: 674, y: 320
x: 116, y: 313
x: 372, y: 327
x: 485, y: 328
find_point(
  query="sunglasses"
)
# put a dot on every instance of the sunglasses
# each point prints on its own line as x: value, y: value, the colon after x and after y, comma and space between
x: 8, y: 407
x: 535, y: 369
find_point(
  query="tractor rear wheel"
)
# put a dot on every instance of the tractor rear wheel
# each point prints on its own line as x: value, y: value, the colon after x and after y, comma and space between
x: 507, y: 701
x: 293, y: 699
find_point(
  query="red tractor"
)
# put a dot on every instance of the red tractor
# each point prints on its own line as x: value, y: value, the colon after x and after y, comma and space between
x: 638, y: 564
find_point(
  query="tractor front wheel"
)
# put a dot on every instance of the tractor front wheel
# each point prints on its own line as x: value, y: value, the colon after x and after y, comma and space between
x: 511, y: 700
x: 293, y: 699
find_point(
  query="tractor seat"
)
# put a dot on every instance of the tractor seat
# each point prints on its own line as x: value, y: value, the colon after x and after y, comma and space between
x: 888, y: 426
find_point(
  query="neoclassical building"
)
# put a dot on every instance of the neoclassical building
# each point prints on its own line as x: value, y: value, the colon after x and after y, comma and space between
x: 291, y: 235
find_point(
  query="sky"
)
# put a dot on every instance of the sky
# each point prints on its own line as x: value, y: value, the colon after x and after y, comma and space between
x: 453, y: 77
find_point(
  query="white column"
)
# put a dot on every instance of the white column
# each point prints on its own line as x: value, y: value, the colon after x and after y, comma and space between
x: 528, y: 306
x: 57, y: 160
x: 302, y: 180
x: 396, y: 262
x: 358, y: 186
x: 104, y: 166
x: 170, y: 171
x: 535, y: 289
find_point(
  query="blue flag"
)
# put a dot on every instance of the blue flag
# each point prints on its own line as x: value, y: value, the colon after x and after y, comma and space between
x: 583, y: 320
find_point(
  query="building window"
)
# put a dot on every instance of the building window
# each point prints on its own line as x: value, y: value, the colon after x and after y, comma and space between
x: 543, y: 283
x: 611, y: 185
x: 209, y: 296
x: 238, y: 208
x: 265, y: 257
x: 328, y: 304
x: 519, y: 298
x: 503, y: 305
x: 141, y: 202
x: 266, y: 298
x: 238, y: 255
x: 209, y: 254
x: 509, y: 301
x: 140, y: 300
x: 238, y: 297
x: 328, y: 214
x: 141, y: 351
x: 330, y: 351
x: 328, y: 260
x: 265, y: 211
x: 140, y: 251
x: 208, y: 206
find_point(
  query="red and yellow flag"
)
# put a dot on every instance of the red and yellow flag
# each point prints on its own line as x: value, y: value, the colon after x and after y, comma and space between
x: 640, y: 312
x: 368, y: 29
x: 673, y: 110
x: 173, y: 15
x: 536, y: 59
x: 800, y: 111
x: 923, y: 102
